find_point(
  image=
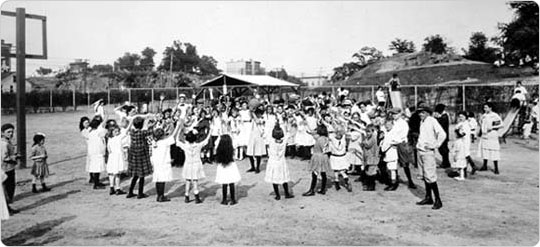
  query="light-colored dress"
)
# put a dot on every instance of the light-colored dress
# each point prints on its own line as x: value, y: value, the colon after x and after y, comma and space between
x: 161, y: 160
x: 256, y: 145
x: 338, y: 157
x: 96, y: 150
x: 355, y: 153
x: 193, y: 168
x: 277, y: 171
x: 245, y: 128
x: 4, y: 212
x: 489, y: 147
x: 303, y: 138
x: 117, y: 162
x: 269, y: 123
x: 84, y: 134
x: 227, y: 174
x: 319, y: 159
x: 40, y: 168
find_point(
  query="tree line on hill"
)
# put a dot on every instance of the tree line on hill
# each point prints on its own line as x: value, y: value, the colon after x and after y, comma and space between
x: 517, y: 44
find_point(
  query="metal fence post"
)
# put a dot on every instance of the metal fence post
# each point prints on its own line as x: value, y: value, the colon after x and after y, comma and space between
x: 74, y: 100
x: 177, y: 93
x: 463, y: 95
x: 415, y: 96
x: 129, y: 95
x: 372, y: 94
x: 50, y: 100
x: 88, y: 99
x: 152, y: 104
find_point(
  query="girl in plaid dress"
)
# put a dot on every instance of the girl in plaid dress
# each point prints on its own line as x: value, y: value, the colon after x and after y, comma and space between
x: 139, y: 164
x: 40, y: 169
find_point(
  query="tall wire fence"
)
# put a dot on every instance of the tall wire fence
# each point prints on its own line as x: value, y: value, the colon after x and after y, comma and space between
x: 467, y: 97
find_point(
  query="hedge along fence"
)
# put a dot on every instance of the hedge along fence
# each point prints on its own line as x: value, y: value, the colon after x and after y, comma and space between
x: 452, y: 96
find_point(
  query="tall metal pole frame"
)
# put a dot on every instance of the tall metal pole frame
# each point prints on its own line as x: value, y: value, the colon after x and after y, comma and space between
x: 21, y: 56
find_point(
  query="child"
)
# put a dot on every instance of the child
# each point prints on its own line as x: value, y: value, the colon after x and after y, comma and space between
x: 256, y: 147
x: 96, y: 150
x: 390, y: 155
x: 193, y: 170
x: 139, y: 157
x: 338, y: 158
x: 457, y: 153
x: 319, y: 162
x: 40, y: 168
x: 277, y: 171
x: 116, y: 163
x: 371, y: 157
x: 355, y: 153
x: 161, y: 160
x: 473, y: 124
x: 227, y: 171
x: 290, y: 150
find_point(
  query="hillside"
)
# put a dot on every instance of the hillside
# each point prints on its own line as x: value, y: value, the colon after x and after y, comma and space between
x: 427, y: 68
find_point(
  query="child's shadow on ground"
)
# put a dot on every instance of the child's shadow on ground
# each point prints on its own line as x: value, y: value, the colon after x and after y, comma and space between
x: 291, y: 187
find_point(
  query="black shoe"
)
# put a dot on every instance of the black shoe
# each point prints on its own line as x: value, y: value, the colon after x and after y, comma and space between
x: 336, y: 184
x: 44, y: 188
x: 394, y: 186
x: 112, y: 192
x: 278, y: 197
x: 257, y: 171
x: 348, y: 186
x: 130, y: 195
x: 483, y: 168
x: 426, y: 201
x: 141, y: 196
x: 322, y: 191
x: 309, y: 193
x: 437, y: 204
x: 120, y: 192
x: 496, y: 172
x: 34, y: 189
x: 163, y: 199
x: 186, y: 199
x: 289, y: 196
x: 233, y: 202
x: 389, y: 187
x: 412, y: 185
x: 473, y: 170
x: 251, y: 170
x: 197, y: 199
x: 224, y: 202
x: 12, y: 211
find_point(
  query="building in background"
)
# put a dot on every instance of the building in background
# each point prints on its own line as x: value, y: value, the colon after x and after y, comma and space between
x: 242, y: 67
x: 6, y: 60
x: 78, y: 66
x: 315, y: 81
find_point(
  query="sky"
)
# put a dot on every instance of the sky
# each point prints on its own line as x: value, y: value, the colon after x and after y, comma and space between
x: 304, y: 37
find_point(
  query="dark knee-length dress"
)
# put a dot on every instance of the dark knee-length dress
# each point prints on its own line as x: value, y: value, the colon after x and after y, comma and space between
x: 138, y: 155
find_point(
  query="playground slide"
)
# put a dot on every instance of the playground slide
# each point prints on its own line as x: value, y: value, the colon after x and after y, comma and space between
x: 508, y: 120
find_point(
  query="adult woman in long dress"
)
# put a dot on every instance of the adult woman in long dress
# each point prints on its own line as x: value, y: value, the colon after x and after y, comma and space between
x: 489, y: 147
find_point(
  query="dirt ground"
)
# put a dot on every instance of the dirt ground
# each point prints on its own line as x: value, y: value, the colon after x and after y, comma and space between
x: 486, y: 209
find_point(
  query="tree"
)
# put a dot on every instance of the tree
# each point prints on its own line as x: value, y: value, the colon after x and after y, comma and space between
x: 402, y: 46
x: 345, y: 71
x: 519, y: 38
x: 102, y: 68
x: 479, y: 50
x: 147, y: 61
x: 368, y: 55
x: 129, y: 62
x: 435, y: 44
x: 43, y: 71
x: 208, y: 65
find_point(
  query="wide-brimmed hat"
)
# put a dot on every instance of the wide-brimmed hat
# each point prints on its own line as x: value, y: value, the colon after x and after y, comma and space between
x: 395, y: 110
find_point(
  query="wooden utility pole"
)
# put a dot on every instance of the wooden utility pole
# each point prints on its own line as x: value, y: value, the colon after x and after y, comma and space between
x: 20, y: 22
x: 21, y: 56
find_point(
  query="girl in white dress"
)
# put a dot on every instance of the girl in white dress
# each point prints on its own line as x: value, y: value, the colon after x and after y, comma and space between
x: 256, y: 147
x: 193, y: 169
x: 461, y: 146
x: 338, y: 157
x: 277, y: 171
x: 117, y: 162
x: 84, y: 128
x: 245, y: 128
x: 96, y: 151
x: 227, y: 173
x: 161, y: 160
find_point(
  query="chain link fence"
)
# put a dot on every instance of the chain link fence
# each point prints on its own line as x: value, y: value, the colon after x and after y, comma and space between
x: 469, y: 97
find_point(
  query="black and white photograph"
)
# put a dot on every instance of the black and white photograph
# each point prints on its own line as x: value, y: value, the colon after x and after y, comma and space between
x: 269, y: 123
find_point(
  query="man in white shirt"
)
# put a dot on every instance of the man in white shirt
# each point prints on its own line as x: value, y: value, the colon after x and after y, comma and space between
x: 182, y: 106
x: 400, y: 132
x: 431, y: 137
